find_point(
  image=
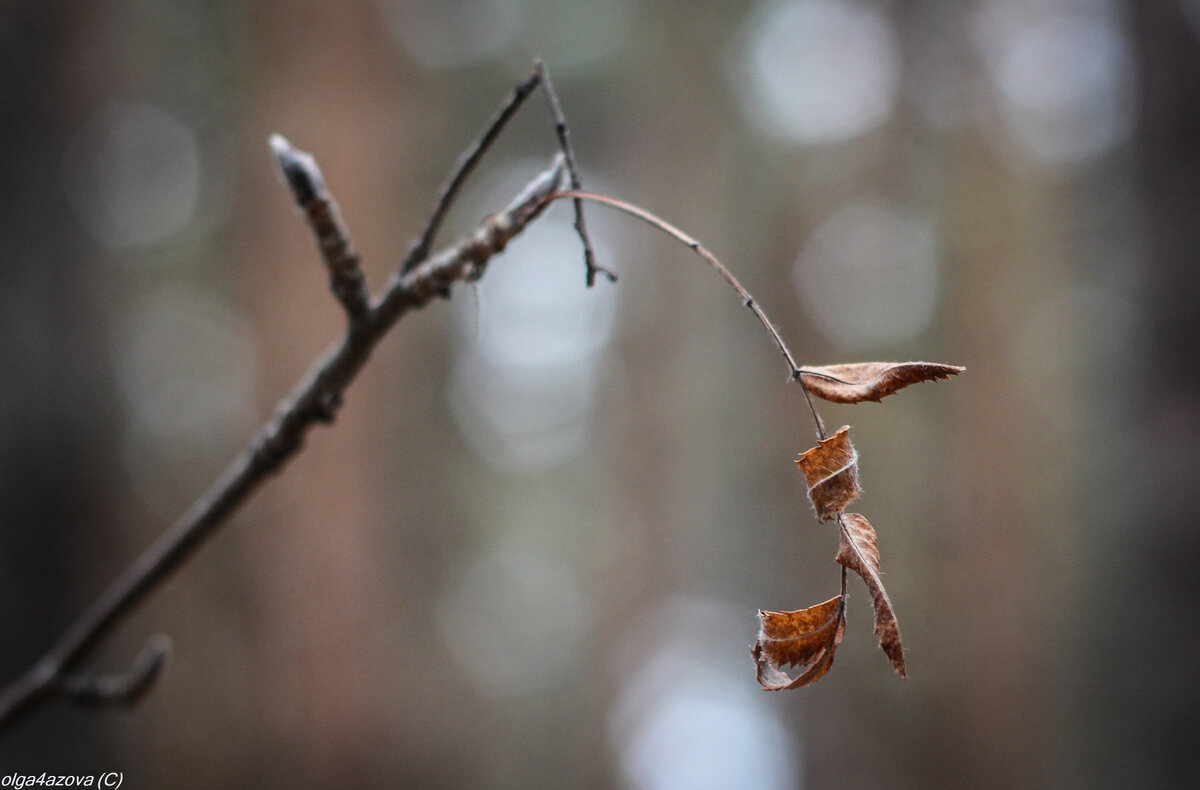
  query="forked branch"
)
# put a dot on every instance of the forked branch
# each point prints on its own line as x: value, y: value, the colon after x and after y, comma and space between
x: 807, y: 637
x: 315, y: 399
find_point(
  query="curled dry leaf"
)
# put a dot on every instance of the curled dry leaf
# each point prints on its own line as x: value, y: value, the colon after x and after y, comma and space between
x: 859, y: 551
x: 862, y: 381
x: 831, y: 470
x: 806, y: 639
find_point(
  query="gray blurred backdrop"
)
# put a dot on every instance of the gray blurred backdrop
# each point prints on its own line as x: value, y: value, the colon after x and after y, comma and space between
x: 530, y: 552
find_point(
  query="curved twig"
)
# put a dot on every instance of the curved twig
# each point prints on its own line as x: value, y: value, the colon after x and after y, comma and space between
x: 655, y: 221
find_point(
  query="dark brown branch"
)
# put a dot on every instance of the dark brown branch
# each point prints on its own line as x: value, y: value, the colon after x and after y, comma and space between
x: 564, y: 141
x: 315, y: 399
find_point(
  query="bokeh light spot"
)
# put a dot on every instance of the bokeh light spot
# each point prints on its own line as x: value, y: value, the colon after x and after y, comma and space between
x: 869, y: 274
x: 514, y: 621
x: 133, y: 175
x: 187, y: 371
x: 441, y: 35
x: 818, y: 71
x: 523, y: 388
x: 686, y: 718
x: 1064, y: 81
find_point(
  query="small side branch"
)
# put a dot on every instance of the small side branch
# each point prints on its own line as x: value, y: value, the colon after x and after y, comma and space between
x: 307, y: 185
x: 467, y: 163
x: 124, y: 689
x: 465, y: 166
x: 564, y: 141
x: 666, y: 227
x: 466, y: 260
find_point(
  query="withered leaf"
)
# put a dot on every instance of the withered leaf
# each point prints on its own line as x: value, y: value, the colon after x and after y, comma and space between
x: 859, y: 551
x: 806, y: 638
x: 872, y: 381
x: 831, y: 470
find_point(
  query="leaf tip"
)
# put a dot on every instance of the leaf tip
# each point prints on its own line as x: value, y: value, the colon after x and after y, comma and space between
x: 858, y: 550
x: 871, y: 381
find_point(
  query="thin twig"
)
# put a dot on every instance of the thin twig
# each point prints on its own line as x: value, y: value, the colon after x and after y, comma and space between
x: 474, y: 153
x: 465, y: 166
x: 315, y: 399
x: 564, y: 142
x: 666, y: 227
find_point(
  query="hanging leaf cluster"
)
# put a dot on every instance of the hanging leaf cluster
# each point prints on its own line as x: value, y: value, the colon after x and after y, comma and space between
x: 807, y: 639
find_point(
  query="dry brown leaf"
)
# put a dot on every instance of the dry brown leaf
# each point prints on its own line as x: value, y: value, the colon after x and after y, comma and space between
x: 806, y: 638
x: 859, y: 551
x: 862, y: 381
x: 831, y: 469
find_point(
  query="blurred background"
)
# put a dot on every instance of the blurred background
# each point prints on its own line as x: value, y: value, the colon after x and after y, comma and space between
x: 530, y: 552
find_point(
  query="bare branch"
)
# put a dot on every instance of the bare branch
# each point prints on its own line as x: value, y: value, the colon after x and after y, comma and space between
x: 315, y: 399
x: 564, y: 141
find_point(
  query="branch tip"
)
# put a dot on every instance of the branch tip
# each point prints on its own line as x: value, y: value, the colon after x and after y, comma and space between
x: 124, y: 689
x: 304, y: 179
x: 535, y: 196
x: 299, y: 170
